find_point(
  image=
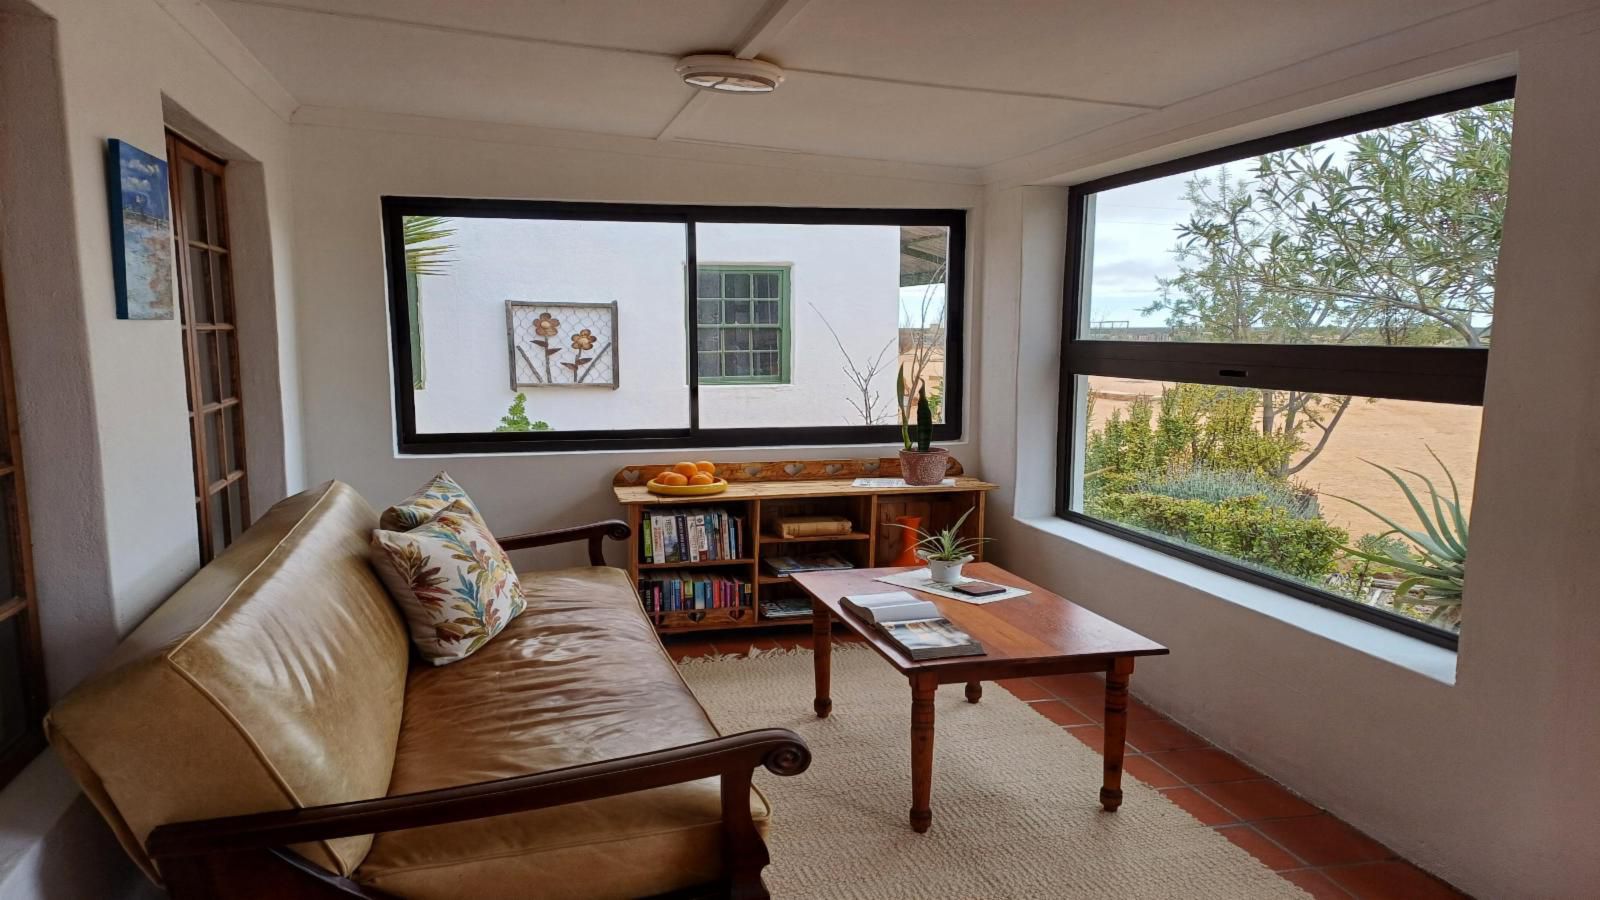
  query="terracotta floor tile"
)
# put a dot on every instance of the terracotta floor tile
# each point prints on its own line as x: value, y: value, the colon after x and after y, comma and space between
x: 1150, y: 773
x: 1255, y: 800
x: 1161, y: 734
x: 1271, y: 855
x: 1026, y: 689
x: 1059, y: 713
x: 1071, y: 687
x: 1204, y: 766
x: 1318, y: 885
x: 1195, y: 804
x: 1391, y: 881
x: 1095, y: 708
x: 1093, y: 736
x: 1324, y: 841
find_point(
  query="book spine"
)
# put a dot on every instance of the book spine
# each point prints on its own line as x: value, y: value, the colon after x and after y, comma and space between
x: 644, y: 537
x: 682, y: 530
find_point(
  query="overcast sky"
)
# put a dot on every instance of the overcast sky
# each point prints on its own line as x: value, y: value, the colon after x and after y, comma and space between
x: 1135, y: 230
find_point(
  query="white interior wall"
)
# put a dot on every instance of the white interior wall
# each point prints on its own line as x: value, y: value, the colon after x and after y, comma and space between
x: 102, y: 406
x: 1488, y: 781
x: 340, y: 174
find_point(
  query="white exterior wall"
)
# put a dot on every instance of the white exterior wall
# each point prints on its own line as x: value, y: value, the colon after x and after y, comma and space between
x: 850, y: 274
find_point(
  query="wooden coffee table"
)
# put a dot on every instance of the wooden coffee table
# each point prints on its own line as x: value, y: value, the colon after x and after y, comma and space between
x: 1037, y: 634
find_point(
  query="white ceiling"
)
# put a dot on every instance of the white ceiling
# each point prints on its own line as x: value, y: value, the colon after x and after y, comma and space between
x: 954, y: 82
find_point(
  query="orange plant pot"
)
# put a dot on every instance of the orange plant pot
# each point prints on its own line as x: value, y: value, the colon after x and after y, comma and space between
x: 908, y: 541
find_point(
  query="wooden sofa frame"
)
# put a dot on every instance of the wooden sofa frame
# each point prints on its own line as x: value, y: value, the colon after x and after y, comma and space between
x: 248, y: 857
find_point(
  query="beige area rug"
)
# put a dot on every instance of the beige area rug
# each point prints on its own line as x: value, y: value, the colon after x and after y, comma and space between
x: 1015, y: 810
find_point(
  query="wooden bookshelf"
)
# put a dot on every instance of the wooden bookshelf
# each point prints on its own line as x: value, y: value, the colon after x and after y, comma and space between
x: 759, y: 494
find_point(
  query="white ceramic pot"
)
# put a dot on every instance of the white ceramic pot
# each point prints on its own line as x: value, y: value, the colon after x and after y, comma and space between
x: 944, y: 571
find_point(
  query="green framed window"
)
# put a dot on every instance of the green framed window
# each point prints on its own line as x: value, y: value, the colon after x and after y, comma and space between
x: 742, y: 324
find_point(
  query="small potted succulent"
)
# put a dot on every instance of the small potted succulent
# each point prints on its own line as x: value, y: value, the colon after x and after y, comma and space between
x: 921, y: 463
x: 946, y: 550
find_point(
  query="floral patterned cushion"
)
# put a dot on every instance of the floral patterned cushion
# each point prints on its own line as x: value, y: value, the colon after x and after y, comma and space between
x: 440, y: 491
x: 452, y: 582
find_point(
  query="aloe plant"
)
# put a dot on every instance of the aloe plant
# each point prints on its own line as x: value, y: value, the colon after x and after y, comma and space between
x: 1436, y: 565
x: 946, y: 544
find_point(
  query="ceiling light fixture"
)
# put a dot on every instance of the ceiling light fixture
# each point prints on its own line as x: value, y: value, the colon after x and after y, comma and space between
x: 729, y: 74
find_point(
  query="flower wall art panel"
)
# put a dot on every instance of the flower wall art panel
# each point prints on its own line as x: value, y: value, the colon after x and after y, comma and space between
x: 562, y: 344
x: 141, y: 231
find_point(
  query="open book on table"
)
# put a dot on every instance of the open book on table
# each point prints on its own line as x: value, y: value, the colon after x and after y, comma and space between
x: 915, y: 626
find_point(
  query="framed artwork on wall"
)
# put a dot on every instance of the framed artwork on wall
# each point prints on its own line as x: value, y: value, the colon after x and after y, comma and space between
x: 562, y: 344
x: 141, y: 231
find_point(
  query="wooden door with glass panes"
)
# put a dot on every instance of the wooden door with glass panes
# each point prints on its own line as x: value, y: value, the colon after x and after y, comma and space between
x: 210, y: 344
x: 22, y: 693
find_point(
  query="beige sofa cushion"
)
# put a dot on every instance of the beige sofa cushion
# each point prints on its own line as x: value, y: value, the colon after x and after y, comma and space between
x: 579, y: 677
x: 273, y: 679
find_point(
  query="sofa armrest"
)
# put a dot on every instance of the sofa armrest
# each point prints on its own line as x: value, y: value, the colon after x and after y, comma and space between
x: 594, y: 533
x: 182, y: 850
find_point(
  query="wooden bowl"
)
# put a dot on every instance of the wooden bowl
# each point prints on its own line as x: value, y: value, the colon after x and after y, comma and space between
x: 686, y: 490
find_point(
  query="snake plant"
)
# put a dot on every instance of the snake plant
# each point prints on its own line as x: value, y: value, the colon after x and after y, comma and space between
x: 1438, y: 565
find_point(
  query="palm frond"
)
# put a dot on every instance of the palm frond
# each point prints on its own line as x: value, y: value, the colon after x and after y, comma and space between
x: 434, y: 258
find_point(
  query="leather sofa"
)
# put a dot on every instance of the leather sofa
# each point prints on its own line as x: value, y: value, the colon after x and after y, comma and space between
x: 267, y: 732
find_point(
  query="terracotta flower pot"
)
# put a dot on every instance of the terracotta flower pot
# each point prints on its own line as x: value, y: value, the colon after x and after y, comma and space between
x: 923, y: 469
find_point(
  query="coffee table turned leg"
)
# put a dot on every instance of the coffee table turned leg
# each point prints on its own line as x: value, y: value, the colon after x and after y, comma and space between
x: 1116, y: 731
x: 923, y: 687
x: 974, y: 691
x: 822, y: 657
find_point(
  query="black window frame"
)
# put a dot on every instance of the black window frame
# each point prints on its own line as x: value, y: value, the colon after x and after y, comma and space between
x: 1438, y: 375
x: 410, y: 442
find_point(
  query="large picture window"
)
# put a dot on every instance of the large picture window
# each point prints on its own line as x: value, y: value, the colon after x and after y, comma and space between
x: 1274, y: 354
x: 572, y: 326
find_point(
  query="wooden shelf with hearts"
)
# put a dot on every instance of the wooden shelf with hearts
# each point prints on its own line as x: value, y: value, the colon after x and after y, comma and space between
x: 760, y: 493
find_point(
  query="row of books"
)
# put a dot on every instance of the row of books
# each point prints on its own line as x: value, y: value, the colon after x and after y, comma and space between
x: 682, y: 590
x: 690, y: 535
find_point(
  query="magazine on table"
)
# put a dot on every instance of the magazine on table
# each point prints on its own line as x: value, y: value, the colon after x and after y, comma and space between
x: 915, y: 626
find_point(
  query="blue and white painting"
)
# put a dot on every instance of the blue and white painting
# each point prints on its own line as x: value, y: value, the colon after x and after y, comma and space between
x: 141, y: 232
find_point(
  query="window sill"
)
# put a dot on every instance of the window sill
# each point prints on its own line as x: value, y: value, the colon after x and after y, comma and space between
x: 1398, y: 649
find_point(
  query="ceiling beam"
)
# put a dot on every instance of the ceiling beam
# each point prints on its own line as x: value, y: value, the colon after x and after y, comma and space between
x: 773, y: 19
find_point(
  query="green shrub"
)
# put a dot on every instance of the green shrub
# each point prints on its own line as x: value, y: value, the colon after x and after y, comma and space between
x: 1191, y: 426
x: 516, y: 418
x: 1245, y: 528
x: 1216, y: 485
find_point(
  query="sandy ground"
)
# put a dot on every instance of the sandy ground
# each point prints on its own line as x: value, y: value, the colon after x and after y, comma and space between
x: 1395, y: 433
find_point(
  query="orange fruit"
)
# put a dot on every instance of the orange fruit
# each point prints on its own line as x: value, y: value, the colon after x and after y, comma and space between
x: 702, y: 478
x: 686, y: 469
x: 672, y: 478
x: 710, y: 468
